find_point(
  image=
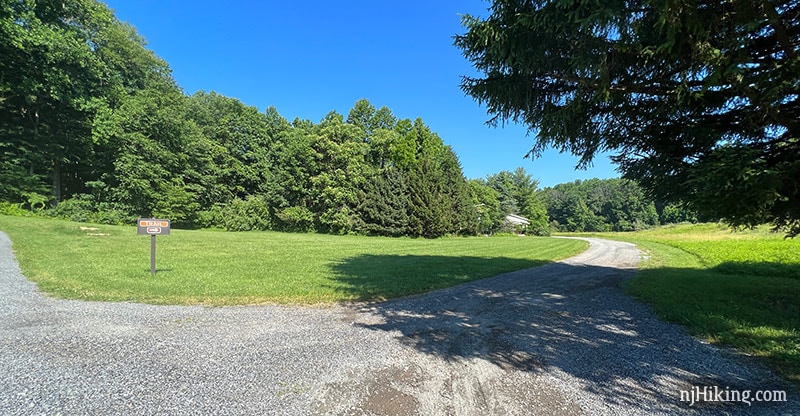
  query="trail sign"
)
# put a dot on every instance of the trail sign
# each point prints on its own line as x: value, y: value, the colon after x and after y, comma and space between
x: 152, y: 227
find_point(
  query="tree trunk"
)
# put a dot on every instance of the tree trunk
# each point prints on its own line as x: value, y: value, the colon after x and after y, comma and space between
x: 57, y: 180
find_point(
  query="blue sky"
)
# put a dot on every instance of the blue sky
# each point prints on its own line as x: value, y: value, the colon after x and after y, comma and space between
x: 308, y: 58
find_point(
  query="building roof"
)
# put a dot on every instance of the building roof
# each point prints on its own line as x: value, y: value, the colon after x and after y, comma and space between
x: 517, y: 220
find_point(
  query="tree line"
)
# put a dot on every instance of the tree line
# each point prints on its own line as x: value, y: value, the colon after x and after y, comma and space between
x: 588, y: 205
x: 94, y: 128
x: 93, y: 122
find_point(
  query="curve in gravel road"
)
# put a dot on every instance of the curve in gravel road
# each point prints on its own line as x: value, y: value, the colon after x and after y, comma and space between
x: 557, y: 339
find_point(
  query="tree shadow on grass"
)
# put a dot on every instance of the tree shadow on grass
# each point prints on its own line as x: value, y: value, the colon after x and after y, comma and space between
x: 762, y: 268
x: 561, y: 318
x: 376, y: 277
x: 759, y: 312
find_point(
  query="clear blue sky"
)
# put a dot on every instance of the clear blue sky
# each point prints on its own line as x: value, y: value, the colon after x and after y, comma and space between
x: 308, y: 58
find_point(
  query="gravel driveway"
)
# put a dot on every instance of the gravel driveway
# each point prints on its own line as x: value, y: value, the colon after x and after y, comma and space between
x: 558, y: 339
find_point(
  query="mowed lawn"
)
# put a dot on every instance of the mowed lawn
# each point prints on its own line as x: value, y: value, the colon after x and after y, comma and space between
x: 111, y: 263
x: 740, y: 289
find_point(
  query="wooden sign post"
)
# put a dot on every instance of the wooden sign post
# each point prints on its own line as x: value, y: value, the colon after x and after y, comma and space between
x: 152, y: 227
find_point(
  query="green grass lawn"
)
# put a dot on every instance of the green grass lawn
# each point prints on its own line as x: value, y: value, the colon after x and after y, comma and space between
x: 737, y: 289
x: 217, y: 268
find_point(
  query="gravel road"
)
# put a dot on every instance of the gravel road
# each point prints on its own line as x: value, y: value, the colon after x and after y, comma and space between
x: 560, y: 339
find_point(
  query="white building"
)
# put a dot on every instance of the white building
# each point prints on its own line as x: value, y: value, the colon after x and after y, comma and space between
x: 517, y: 220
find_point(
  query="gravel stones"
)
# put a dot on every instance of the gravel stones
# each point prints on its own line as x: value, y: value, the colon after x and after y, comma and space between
x: 558, y: 340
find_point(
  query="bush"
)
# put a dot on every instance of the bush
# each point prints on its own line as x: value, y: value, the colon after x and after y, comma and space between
x: 212, y: 217
x: 298, y: 219
x: 336, y: 221
x: 541, y: 230
x: 249, y: 214
x: 84, y: 208
x: 7, y: 208
x: 79, y: 208
x: 112, y: 216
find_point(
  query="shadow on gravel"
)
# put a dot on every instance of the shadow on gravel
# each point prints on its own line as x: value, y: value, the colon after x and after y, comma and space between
x: 735, y: 305
x: 560, y: 317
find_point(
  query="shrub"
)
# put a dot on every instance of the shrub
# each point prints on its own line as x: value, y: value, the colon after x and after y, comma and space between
x: 299, y: 219
x: 85, y: 208
x: 212, y: 217
x: 79, y: 208
x: 112, y: 216
x: 7, y: 208
x: 337, y: 221
x: 250, y: 214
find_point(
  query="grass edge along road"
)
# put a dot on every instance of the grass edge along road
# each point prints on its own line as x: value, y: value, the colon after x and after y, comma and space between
x: 111, y: 263
x: 737, y: 289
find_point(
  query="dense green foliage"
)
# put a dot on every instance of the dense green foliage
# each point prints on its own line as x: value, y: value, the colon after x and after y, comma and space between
x: 94, y: 127
x: 701, y: 99
x: 218, y: 268
x: 507, y: 193
x: 738, y: 289
x: 608, y: 205
x: 591, y: 205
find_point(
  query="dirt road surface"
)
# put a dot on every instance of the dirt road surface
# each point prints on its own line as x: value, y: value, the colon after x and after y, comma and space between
x: 561, y: 339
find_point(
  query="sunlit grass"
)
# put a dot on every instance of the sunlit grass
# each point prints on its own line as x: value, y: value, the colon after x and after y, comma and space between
x: 217, y: 268
x: 740, y: 289
x: 716, y: 245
